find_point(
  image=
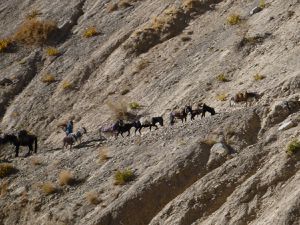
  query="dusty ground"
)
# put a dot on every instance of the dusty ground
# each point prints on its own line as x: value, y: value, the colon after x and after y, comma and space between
x: 230, y: 168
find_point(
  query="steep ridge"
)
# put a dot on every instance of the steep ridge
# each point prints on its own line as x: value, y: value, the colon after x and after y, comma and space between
x: 162, y: 55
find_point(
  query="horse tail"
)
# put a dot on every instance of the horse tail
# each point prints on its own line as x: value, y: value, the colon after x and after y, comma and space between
x: 35, y: 145
x: 171, y: 119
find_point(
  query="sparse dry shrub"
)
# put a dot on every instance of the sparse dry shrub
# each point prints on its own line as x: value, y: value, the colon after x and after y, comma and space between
x: 234, y: 19
x: 142, y: 64
x: 258, y: 77
x: 52, y: 52
x: 35, y: 32
x: 124, y: 3
x: 48, y: 79
x: 67, y: 85
x: 222, y: 96
x: 123, y: 176
x: 190, y: 5
x: 186, y: 38
x: 90, y: 32
x: 5, y: 44
x: 103, y: 154
x: 125, y: 91
x: 6, y: 169
x: 118, y: 108
x: 92, y: 198
x: 48, y: 188
x: 36, y: 161
x: 112, y: 7
x: 293, y: 147
x: 66, y: 178
x: 33, y: 14
x: 221, y: 77
x: 3, y: 188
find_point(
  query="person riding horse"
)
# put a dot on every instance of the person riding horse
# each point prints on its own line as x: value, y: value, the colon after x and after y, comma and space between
x: 69, y: 128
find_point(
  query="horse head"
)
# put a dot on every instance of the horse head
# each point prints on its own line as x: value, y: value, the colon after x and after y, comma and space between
x: 188, y: 109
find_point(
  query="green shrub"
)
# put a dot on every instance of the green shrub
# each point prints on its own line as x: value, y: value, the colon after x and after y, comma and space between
x: 90, y: 32
x: 293, y: 147
x: 67, y: 85
x: 222, y: 78
x: 234, y: 19
x: 52, y: 52
x: 122, y: 177
x: 262, y: 4
x: 258, y: 77
x: 134, y: 105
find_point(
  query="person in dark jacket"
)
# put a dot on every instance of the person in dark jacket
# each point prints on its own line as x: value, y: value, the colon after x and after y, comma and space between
x: 69, y: 128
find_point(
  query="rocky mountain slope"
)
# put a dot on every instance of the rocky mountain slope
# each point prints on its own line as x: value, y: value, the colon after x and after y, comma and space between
x: 230, y: 168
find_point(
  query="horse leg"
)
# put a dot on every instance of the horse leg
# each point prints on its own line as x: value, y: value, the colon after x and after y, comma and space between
x: 140, y: 130
x: 17, y: 150
x: 128, y: 132
x: 156, y: 127
x: 150, y: 127
x: 29, y: 150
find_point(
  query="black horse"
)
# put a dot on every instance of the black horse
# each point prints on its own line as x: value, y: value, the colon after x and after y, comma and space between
x: 206, y: 108
x: 122, y: 127
x: 154, y: 120
x: 22, y: 138
x: 201, y: 109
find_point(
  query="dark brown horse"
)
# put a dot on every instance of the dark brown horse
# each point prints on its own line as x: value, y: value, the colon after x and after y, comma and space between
x: 22, y: 138
x: 182, y: 115
x: 244, y: 97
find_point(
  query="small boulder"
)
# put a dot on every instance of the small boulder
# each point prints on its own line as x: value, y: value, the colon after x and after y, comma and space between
x: 286, y: 125
x: 218, y: 154
x: 255, y: 10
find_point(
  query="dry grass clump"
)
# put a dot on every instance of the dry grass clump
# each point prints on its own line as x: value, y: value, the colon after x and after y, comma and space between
x: 222, y: 78
x: 123, y: 176
x: 222, y: 97
x: 52, y: 52
x: 36, y: 161
x: 33, y: 14
x: 142, y: 64
x: 119, y: 109
x: 90, y: 32
x: 134, y: 105
x: 48, y: 79
x: 92, y: 198
x: 234, y: 19
x: 103, y: 154
x: 6, y: 169
x: 48, y: 188
x: 258, y: 77
x: 190, y: 5
x: 3, y: 188
x: 293, y: 147
x: 66, y: 178
x: 5, y: 44
x: 112, y: 7
x: 209, y: 141
x: 67, y: 85
x: 262, y: 4
x: 124, y: 3
x: 33, y: 31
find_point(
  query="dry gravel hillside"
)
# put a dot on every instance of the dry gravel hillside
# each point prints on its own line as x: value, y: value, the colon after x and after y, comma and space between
x: 88, y: 60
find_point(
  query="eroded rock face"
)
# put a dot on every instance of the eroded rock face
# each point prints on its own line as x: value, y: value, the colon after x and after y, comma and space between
x: 229, y: 168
